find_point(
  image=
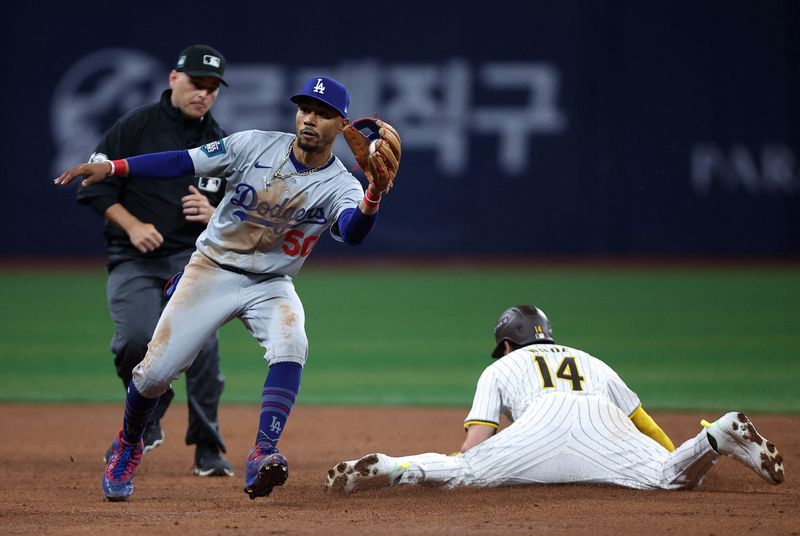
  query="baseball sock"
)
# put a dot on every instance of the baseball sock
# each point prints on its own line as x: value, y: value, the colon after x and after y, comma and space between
x: 277, y: 399
x: 138, y: 411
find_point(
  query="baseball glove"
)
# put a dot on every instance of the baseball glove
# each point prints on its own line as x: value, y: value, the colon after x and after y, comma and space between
x: 376, y: 146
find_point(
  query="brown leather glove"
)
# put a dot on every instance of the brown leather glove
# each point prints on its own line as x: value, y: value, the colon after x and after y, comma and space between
x: 380, y: 164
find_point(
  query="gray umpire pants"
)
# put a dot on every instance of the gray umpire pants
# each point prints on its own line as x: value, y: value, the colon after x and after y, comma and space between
x: 135, y: 300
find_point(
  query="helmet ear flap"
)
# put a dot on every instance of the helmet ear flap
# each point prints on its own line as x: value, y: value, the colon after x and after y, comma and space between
x: 521, y: 325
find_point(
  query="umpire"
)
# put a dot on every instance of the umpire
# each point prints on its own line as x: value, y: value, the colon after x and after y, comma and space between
x: 151, y: 227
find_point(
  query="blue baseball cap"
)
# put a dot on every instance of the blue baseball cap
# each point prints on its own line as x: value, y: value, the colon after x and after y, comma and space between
x: 326, y: 90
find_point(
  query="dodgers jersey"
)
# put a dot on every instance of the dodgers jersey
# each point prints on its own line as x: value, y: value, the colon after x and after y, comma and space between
x: 266, y: 224
x: 516, y: 381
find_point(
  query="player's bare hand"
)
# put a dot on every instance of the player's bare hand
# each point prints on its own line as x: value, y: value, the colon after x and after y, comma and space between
x: 92, y: 172
x: 145, y: 237
x: 196, y: 206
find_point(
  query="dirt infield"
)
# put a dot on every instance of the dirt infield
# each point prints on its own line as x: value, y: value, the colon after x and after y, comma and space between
x: 51, y: 463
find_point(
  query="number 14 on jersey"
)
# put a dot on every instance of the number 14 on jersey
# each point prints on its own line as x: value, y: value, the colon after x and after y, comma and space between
x: 567, y: 370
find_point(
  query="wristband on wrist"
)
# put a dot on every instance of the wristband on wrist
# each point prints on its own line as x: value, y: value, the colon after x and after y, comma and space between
x: 113, y: 168
x: 370, y: 203
x: 370, y: 199
x: 119, y: 167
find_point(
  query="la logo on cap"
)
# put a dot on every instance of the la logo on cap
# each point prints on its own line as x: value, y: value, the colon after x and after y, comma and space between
x: 213, y: 61
x: 320, y: 87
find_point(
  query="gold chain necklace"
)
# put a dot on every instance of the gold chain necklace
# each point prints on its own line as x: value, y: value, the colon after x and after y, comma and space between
x: 279, y: 176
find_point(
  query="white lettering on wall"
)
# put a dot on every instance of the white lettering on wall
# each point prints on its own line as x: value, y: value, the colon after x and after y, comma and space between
x: 769, y: 169
x: 434, y: 106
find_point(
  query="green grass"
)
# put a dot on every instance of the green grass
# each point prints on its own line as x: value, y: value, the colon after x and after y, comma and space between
x: 712, y: 339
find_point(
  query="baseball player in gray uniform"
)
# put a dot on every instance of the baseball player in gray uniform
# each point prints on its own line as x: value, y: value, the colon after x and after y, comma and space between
x: 573, y: 421
x: 283, y: 191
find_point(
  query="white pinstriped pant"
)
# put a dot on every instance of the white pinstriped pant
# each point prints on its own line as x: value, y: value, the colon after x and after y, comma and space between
x: 566, y: 438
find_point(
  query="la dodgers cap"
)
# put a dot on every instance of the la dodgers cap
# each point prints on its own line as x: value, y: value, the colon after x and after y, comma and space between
x: 201, y: 60
x: 326, y: 90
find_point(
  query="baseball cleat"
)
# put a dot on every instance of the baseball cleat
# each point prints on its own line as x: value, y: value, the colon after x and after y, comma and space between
x: 266, y: 468
x: 152, y: 438
x: 122, y: 464
x: 734, y: 435
x: 371, y: 471
x: 209, y: 461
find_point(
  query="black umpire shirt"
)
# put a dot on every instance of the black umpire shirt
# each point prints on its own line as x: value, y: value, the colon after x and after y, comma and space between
x: 150, y: 129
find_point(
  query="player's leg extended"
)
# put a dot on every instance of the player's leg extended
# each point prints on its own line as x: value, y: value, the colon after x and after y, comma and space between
x: 624, y: 456
x: 732, y: 435
x: 276, y: 318
x: 135, y: 302
x: 205, y: 299
x: 634, y: 460
x: 524, y: 453
x: 562, y: 438
x: 687, y: 466
x: 379, y: 470
x: 606, y: 448
x: 534, y: 449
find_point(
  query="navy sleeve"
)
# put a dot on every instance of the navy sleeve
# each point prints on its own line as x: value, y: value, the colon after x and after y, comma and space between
x: 163, y: 165
x: 354, y: 226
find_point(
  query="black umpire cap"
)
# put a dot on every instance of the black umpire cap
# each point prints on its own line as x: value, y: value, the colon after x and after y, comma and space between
x: 201, y: 60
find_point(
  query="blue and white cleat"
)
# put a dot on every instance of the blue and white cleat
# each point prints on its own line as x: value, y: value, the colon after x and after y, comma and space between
x: 121, y: 467
x: 266, y: 468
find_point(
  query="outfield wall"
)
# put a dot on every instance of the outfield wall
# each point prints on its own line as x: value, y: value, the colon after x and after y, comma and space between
x: 567, y: 128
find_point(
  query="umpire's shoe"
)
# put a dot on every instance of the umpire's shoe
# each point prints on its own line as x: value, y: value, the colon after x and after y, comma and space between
x: 266, y: 468
x: 153, y: 435
x: 209, y: 461
x: 122, y: 464
x: 734, y: 435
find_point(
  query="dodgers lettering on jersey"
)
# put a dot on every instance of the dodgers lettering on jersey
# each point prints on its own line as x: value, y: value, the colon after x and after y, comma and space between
x: 514, y: 382
x: 266, y: 225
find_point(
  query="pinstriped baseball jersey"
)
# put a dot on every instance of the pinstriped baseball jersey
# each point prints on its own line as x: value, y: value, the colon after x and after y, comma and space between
x: 570, y: 423
x: 266, y: 223
x: 564, y: 438
x: 516, y: 381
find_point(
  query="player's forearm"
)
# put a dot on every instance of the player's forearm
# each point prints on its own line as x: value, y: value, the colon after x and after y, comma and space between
x: 646, y: 425
x: 354, y: 225
x: 119, y: 215
x: 163, y: 165
x: 476, y: 434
